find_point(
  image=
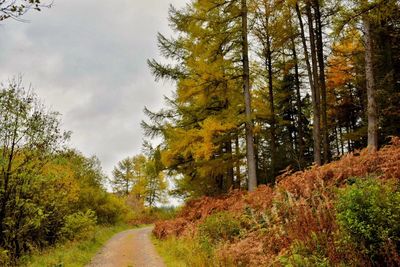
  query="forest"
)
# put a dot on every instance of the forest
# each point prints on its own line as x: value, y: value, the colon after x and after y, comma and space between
x: 280, y: 138
x: 297, y: 102
x: 262, y: 86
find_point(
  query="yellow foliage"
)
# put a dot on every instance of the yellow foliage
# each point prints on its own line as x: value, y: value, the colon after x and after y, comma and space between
x: 198, y: 143
x: 341, y: 63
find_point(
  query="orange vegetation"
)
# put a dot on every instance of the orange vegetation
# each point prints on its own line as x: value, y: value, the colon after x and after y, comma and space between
x: 300, y: 208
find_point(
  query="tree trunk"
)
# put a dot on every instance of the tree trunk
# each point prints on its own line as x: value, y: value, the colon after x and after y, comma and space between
x: 337, y: 141
x: 317, y: 151
x: 341, y: 140
x: 237, y: 167
x: 229, y: 172
x: 299, y: 106
x: 251, y: 163
x: 322, y: 83
x: 268, y: 61
x: 371, y: 89
x: 316, y: 92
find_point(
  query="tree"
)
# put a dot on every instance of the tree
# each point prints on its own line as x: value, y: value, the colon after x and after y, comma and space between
x: 311, y: 77
x: 29, y: 136
x: 154, y: 184
x: 15, y: 9
x: 142, y: 177
x: 126, y: 173
x: 274, y: 109
x: 322, y: 82
x: 346, y: 93
x: 251, y: 160
x: 206, y: 113
x: 371, y: 88
x: 375, y: 17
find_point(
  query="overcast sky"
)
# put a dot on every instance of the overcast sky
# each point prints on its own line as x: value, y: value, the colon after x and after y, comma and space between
x: 87, y: 60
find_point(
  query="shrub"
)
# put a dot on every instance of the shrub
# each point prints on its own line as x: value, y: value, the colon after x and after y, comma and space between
x: 4, y: 257
x: 152, y: 215
x: 369, y: 214
x: 111, y: 210
x: 299, y: 254
x: 79, y: 225
x: 220, y: 226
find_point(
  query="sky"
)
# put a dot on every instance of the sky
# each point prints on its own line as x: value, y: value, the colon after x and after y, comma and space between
x: 87, y: 60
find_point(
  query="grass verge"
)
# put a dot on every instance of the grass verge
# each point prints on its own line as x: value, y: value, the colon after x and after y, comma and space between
x: 184, y: 252
x: 74, y: 253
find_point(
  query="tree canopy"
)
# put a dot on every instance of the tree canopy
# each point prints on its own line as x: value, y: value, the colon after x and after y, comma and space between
x: 317, y: 91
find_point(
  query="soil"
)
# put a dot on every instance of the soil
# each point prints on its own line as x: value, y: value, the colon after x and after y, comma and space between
x: 132, y: 248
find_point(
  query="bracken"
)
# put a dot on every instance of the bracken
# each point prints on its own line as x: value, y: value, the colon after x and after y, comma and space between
x: 299, y: 211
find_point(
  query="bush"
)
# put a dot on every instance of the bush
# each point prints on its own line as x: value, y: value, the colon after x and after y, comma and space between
x: 112, y: 210
x: 79, y: 225
x: 151, y: 215
x: 221, y: 226
x: 299, y: 254
x: 4, y: 257
x: 369, y: 214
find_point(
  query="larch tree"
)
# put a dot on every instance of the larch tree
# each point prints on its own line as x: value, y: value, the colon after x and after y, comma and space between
x: 321, y: 77
x: 260, y: 86
x: 123, y: 175
x: 208, y: 103
x: 371, y: 87
x: 128, y: 173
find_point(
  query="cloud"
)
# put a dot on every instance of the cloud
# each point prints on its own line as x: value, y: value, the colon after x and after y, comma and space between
x: 87, y: 59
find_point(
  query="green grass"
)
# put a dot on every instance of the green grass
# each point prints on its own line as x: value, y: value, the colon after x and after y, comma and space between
x: 183, y: 252
x: 74, y: 253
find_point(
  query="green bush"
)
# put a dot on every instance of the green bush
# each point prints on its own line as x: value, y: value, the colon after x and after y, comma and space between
x: 79, y: 225
x: 300, y: 254
x: 111, y: 210
x: 369, y: 214
x: 4, y: 257
x: 219, y: 226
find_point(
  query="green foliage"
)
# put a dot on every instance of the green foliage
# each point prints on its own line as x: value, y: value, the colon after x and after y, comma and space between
x: 205, y: 114
x: 221, y: 226
x: 152, y: 215
x: 184, y: 252
x: 73, y: 253
x: 141, y: 178
x: 128, y: 173
x: 79, y: 225
x: 301, y: 255
x: 369, y: 213
x: 47, y: 193
x: 154, y: 185
x: 112, y: 210
x: 30, y: 136
x: 4, y: 257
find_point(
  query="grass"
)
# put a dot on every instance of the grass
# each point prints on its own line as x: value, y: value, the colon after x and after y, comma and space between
x: 183, y: 252
x: 74, y: 253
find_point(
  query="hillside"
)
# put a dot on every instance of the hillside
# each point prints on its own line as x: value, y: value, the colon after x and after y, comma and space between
x: 302, y: 220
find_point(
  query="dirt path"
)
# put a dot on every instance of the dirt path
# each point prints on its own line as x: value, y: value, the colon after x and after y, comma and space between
x: 131, y: 248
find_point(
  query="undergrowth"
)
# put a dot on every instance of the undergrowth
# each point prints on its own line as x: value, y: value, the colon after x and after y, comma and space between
x: 73, y: 253
x: 184, y: 252
x: 334, y: 215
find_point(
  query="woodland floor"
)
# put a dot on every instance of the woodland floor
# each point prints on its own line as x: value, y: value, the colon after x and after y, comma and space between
x: 128, y: 249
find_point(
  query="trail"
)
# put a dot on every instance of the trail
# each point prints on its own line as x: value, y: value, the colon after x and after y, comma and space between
x: 131, y: 248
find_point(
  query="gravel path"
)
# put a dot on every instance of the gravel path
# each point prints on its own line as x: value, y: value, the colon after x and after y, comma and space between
x: 131, y: 248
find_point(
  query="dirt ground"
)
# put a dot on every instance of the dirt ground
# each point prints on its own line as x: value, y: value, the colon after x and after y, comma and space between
x: 132, y: 248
